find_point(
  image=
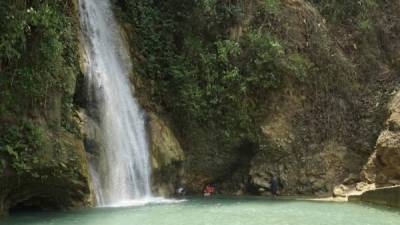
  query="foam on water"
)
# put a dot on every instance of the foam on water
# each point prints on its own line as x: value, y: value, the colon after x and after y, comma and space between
x: 145, y: 201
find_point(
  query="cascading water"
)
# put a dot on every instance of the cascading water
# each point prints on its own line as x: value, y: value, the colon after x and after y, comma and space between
x: 120, y: 168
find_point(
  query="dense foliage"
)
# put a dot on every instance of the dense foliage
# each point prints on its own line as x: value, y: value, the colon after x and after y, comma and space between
x: 36, y: 52
x: 201, y: 68
x: 347, y: 12
x: 38, y: 65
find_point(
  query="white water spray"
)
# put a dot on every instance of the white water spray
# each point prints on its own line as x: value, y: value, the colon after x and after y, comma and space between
x: 121, y: 167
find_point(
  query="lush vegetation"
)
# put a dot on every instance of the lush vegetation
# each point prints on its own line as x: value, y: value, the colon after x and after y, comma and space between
x: 201, y: 67
x: 36, y: 52
x: 211, y: 65
x: 347, y: 12
x: 207, y: 62
x: 38, y: 65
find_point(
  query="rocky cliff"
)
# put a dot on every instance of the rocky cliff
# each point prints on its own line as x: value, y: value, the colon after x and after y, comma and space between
x: 42, y: 156
x: 236, y: 91
x: 294, y: 88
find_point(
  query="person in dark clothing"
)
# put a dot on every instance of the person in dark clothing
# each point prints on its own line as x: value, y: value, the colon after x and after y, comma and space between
x: 274, y: 186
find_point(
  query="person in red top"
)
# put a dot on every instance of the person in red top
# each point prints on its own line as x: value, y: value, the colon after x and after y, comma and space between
x: 208, y: 190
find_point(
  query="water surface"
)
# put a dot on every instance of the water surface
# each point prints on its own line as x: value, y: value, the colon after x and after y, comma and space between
x: 221, y: 211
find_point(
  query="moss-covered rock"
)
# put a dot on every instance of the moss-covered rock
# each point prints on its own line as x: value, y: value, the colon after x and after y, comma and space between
x: 48, y: 170
x: 167, y: 157
x: 42, y: 158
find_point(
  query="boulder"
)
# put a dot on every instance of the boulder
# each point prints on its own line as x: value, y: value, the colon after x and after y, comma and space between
x: 55, y: 176
x: 383, y: 167
x: 389, y: 196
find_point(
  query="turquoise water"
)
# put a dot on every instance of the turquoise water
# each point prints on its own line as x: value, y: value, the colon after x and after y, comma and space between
x: 221, y: 211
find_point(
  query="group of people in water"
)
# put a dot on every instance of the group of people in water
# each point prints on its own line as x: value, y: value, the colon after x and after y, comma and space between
x: 210, y: 189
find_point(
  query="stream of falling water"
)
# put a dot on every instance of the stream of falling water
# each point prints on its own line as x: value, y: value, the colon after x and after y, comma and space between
x: 120, y: 168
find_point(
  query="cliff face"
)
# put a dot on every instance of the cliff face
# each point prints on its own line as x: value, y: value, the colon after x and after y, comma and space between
x: 322, y: 139
x: 294, y: 88
x: 42, y: 157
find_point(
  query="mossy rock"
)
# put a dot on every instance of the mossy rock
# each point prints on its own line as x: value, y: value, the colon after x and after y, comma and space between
x: 53, y: 176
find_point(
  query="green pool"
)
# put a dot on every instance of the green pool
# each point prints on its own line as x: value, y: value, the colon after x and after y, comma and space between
x: 220, y: 211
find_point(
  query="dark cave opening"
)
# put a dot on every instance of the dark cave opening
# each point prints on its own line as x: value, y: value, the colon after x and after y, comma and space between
x: 237, y: 173
x: 34, y: 205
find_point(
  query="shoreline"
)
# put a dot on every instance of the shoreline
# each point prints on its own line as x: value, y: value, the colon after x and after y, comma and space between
x: 269, y: 197
x: 313, y: 198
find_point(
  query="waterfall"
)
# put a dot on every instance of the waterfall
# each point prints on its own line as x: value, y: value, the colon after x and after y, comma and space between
x: 120, y: 167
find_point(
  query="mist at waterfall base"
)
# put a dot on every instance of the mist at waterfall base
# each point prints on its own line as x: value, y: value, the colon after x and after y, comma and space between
x: 221, y: 211
x: 120, y: 167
